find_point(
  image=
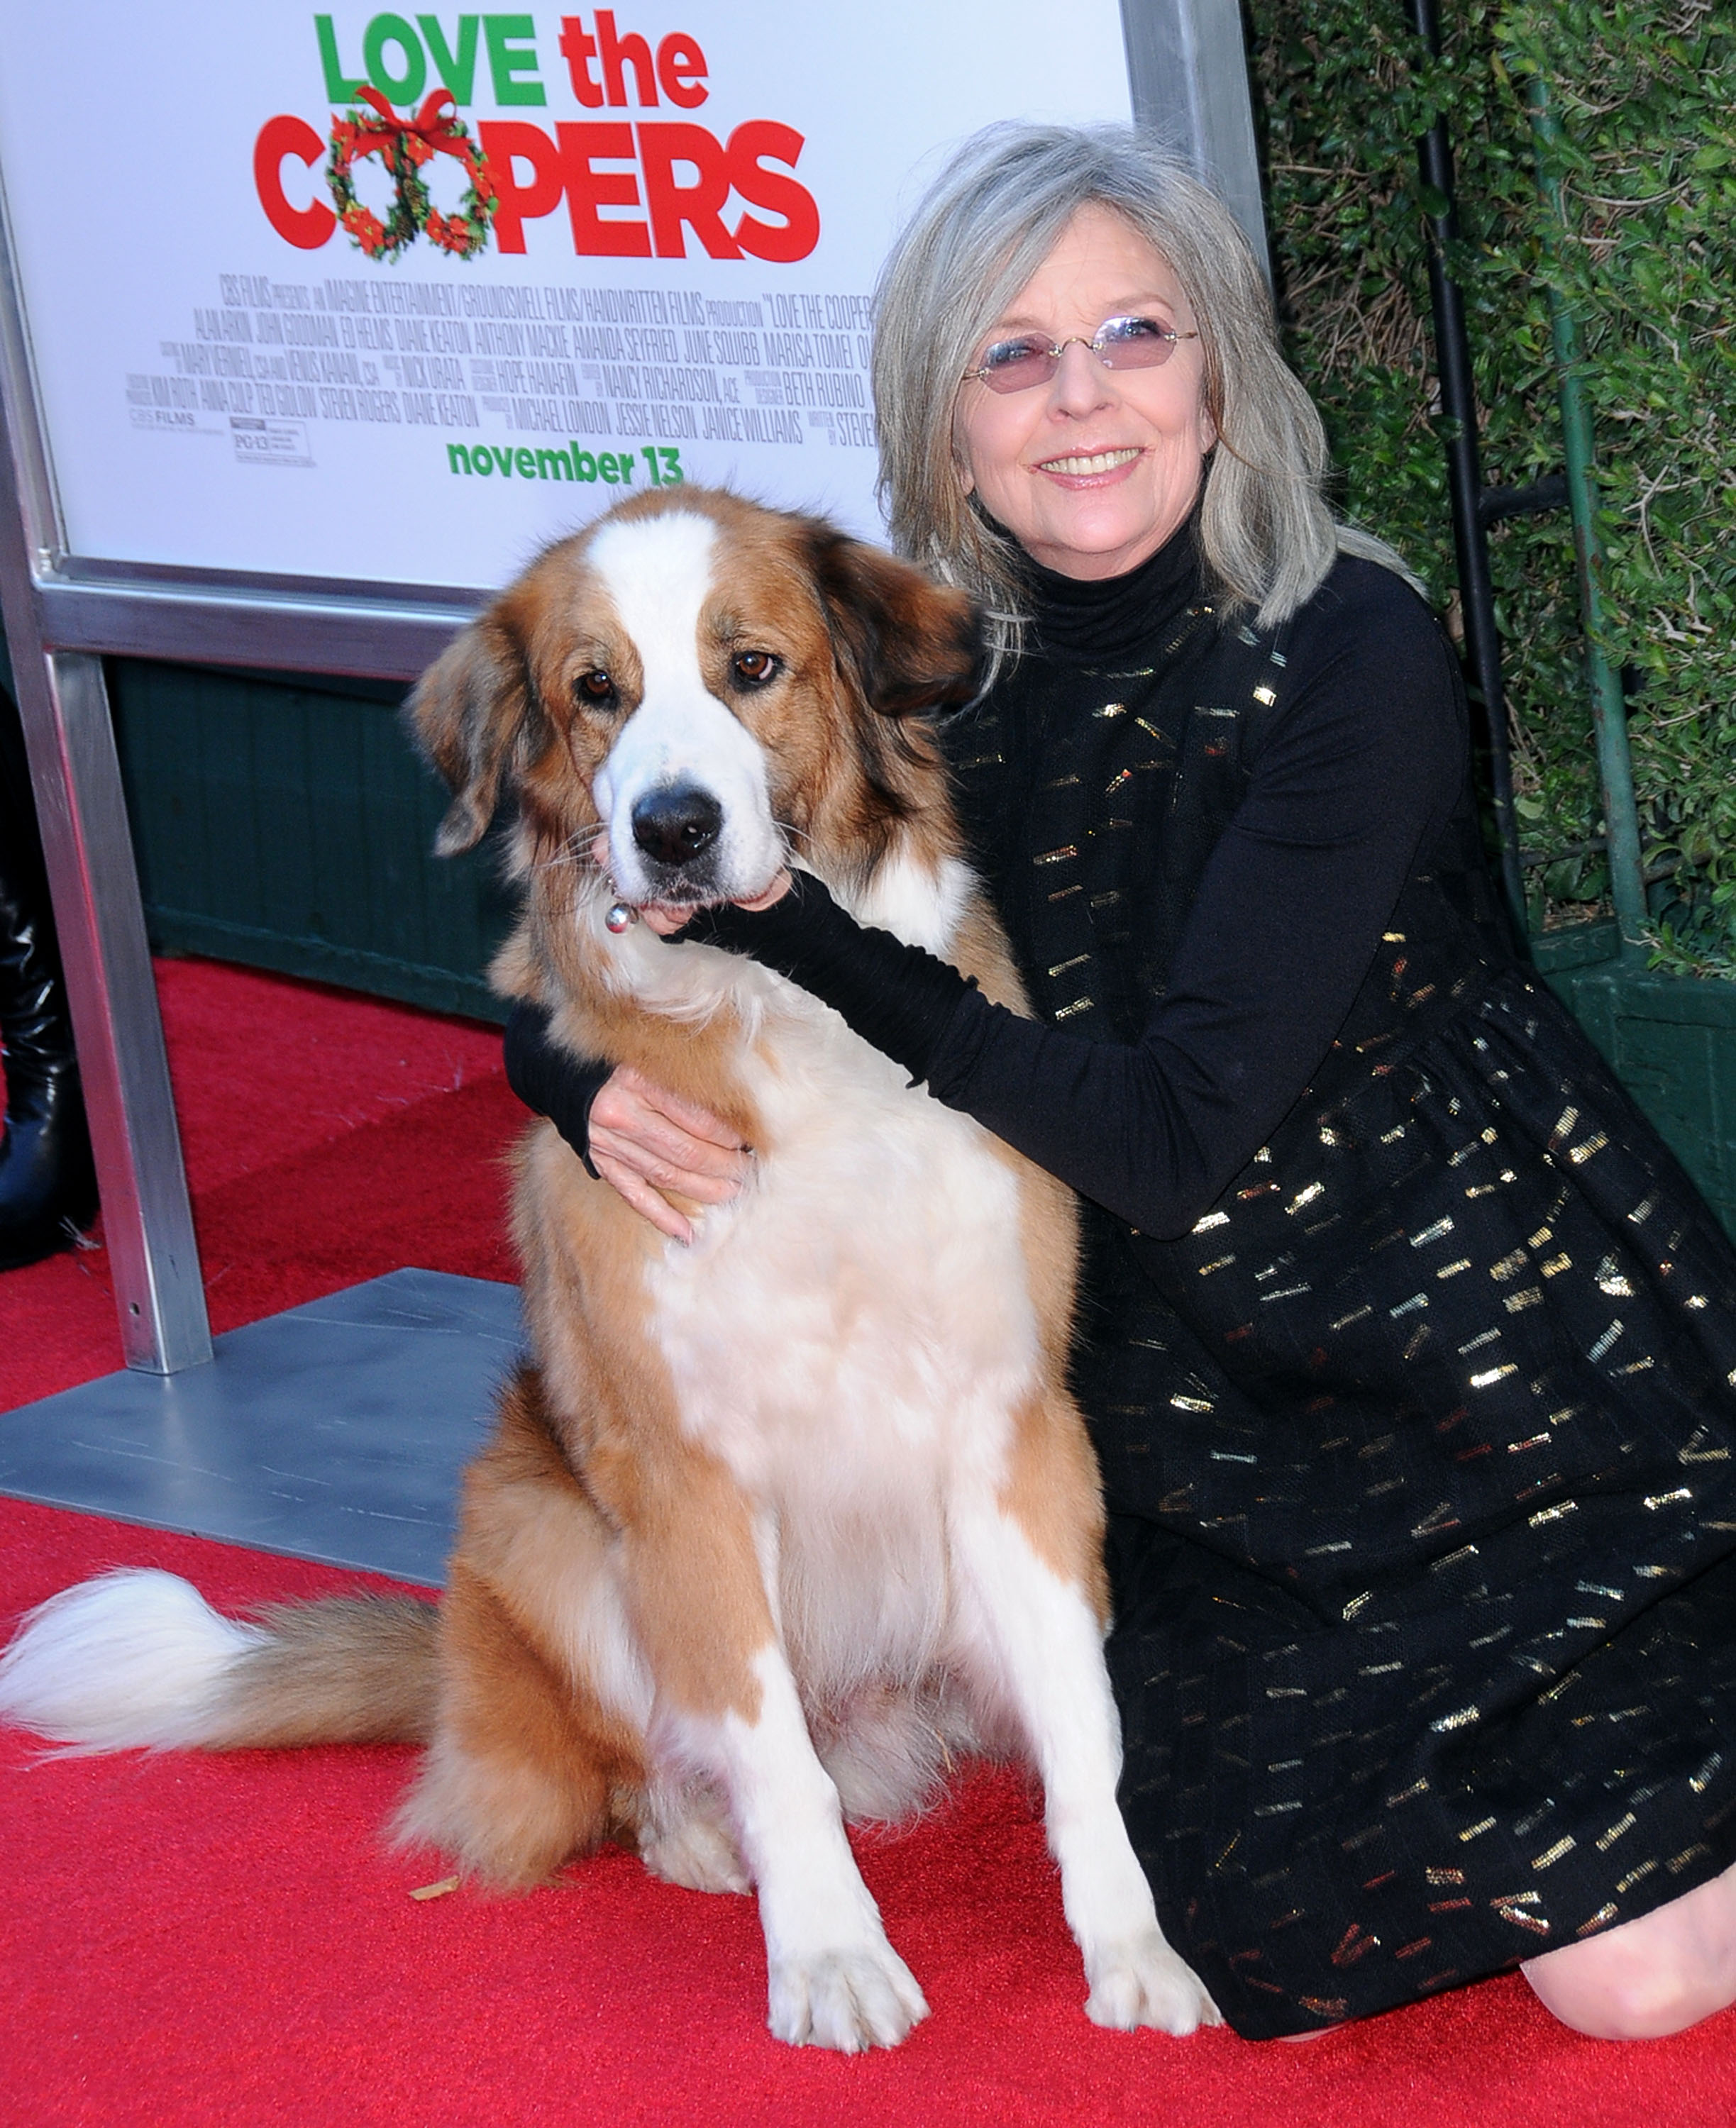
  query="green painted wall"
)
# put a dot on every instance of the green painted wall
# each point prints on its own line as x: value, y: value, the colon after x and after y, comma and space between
x: 288, y: 824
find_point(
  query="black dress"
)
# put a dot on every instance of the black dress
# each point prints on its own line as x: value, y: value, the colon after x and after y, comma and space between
x: 1408, y: 1349
x: 1418, y: 1442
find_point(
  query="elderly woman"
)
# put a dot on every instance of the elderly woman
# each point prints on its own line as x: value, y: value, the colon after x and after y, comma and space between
x: 1408, y: 1349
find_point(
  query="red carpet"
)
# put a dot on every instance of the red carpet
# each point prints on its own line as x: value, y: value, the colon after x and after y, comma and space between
x: 186, y: 1940
x: 329, y: 1137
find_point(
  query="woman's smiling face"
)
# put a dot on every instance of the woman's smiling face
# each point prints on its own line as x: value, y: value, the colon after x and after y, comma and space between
x: 1092, y: 472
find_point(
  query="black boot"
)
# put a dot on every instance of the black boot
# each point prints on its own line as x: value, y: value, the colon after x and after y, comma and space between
x: 48, y: 1182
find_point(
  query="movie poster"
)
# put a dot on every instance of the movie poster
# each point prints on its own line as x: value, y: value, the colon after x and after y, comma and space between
x: 393, y: 299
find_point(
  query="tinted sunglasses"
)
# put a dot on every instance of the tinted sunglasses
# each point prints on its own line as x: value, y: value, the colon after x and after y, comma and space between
x: 1015, y: 365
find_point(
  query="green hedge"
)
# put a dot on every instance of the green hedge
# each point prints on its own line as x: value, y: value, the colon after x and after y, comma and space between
x: 1646, y: 93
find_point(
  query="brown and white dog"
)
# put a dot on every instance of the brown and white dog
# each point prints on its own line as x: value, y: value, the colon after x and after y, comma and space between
x: 774, y: 1523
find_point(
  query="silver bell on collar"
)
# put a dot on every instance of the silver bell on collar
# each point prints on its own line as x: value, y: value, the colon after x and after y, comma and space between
x: 622, y: 917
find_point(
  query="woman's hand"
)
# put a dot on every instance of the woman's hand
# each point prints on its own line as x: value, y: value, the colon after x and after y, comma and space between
x: 645, y: 1144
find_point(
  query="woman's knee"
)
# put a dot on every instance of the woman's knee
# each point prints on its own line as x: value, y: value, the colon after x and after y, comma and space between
x: 1655, y: 1977
x: 1615, y: 1997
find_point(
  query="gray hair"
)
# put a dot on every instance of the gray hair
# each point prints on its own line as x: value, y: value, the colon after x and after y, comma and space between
x: 988, y: 224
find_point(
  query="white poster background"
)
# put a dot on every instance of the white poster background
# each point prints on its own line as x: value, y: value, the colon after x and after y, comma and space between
x: 162, y: 304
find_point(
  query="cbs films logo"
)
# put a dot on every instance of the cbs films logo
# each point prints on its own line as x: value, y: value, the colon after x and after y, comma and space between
x: 652, y: 182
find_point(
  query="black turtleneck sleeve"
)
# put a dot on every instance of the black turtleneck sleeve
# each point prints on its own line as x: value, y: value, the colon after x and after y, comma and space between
x: 1354, y: 783
x: 553, y: 1081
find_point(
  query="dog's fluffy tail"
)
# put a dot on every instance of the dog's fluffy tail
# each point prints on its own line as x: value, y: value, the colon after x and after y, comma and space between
x: 137, y: 1658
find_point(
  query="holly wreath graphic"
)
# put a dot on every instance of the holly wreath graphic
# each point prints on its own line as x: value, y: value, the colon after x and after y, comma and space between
x: 404, y: 146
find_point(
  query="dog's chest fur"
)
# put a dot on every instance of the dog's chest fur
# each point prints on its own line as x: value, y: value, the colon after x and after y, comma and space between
x: 860, y: 1311
x: 853, y: 1334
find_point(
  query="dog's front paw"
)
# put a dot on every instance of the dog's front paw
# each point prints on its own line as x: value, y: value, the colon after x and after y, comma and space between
x: 1143, y: 1983
x: 852, y: 2000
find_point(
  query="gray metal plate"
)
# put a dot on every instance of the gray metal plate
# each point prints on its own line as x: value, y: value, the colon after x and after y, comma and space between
x: 333, y: 1431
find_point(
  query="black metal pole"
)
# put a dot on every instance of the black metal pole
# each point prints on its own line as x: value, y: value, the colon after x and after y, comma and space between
x: 1465, y: 482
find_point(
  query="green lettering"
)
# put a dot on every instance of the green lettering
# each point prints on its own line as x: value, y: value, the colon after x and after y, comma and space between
x: 385, y: 29
x: 480, y: 461
x: 506, y: 36
x: 526, y: 464
x: 338, y: 85
x: 458, y: 74
x: 458, y: 459
x: 607, y: 466
x: 503, y: 459
x: 672, y: 472
x: 584, y: 466
x: 553, y: 465
x: 649, y: 455
x: 626, y: 468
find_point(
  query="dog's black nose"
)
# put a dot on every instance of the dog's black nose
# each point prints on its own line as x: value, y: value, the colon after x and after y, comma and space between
x: 673, y: 825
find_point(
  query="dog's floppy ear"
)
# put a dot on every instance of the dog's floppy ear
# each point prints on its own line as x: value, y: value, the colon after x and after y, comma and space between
x: 904, y: 642
x: 471, y: 714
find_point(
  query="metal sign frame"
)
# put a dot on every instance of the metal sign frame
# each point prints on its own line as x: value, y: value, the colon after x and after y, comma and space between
x: 64, y: 614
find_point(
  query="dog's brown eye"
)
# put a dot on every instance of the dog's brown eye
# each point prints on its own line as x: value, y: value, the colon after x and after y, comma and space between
x: 753, y: 668
x: 595, y: 688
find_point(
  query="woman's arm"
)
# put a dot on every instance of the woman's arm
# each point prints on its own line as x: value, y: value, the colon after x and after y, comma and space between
x: 1360, y: 775
x: 550, y: 1080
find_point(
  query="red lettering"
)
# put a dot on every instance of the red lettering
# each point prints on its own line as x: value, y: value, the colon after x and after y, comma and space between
x: 506, y: 142
x: 618, y: 52
x: 749, y: 146
x: 681, y: 67
x: 587, y: 189
x: 685, y: 181
x: 699, y: 205
x: 306, y: 227
x: 579, y: 50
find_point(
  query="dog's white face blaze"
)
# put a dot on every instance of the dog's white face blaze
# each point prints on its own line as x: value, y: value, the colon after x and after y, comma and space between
x: 659, y: 573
